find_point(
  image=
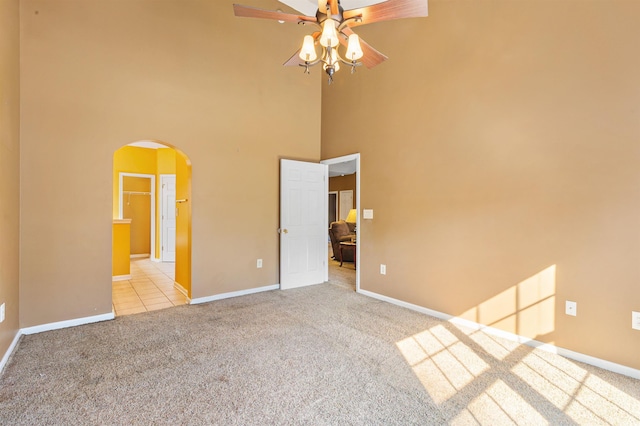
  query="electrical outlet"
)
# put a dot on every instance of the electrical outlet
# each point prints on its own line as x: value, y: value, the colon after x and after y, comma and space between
x: 383, y: 269
x: 2, y: 312
x: 259, y: 263
x: 571, y: 308
x: 635, y: 320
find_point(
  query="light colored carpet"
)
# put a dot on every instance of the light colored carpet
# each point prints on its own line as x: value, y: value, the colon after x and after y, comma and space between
x: 344, y: 275
x: 321, y: 355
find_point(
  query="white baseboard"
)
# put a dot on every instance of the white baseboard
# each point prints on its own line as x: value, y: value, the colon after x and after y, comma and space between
x: 10, y: 350
x: 233, y: 294
x: 121, y: 277
x: 69, y: 323
x: 576, y: 356
x: 51, y: 326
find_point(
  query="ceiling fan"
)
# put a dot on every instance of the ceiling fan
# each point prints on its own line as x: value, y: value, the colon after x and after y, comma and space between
x: 333, y: 28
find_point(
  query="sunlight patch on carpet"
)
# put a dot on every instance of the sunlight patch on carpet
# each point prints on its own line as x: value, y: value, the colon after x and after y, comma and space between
x: 442, y: 363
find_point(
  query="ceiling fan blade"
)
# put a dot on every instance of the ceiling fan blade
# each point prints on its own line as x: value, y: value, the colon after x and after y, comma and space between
x: 388, y: 10
x: 371, y: 56
x: 295, y: 60
x: 333, y: 4
x: 252, y: 12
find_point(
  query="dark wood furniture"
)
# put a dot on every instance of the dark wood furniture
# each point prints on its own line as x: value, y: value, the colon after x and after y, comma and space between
x: 351, y: 246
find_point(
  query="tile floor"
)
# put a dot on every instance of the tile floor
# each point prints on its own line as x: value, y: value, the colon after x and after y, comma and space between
x: 150, y: 288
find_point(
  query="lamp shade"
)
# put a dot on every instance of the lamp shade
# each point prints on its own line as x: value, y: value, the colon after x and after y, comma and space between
x: 308, y: 51
x: 352, y: 217
x: 329, y: 35
x: 354, y: 50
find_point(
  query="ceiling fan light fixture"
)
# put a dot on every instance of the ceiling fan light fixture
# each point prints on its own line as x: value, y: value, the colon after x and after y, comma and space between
x: 333, y: 27
x: 331, y: 60
x: 329, y: 35
x: 308, y: 51
x: 354, y: 50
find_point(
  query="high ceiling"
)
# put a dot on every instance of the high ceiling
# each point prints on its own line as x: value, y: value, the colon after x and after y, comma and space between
x: 309, y: 7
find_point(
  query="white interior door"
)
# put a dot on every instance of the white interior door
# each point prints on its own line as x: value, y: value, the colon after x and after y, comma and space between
x: 303, y: 223
x: 168, y: 219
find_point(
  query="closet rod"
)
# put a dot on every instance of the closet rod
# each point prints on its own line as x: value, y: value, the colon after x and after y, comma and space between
x: 136, y: 193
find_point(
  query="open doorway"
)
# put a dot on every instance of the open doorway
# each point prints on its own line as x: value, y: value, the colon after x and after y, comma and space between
x: 151, y: 228
x: 344, y: 187
x: 333, y: 207
x: 137, y: 205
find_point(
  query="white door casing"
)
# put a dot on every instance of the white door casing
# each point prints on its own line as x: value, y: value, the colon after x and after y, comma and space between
x: 361, y: 231
x: 303, y: 222
x: 334, y: 195
x: 168, y: 218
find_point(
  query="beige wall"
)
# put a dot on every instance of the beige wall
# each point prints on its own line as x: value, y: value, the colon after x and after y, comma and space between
x: 498, y: 147
x: 500, y: 153
x: 9, y: 168
x: 99, y: 74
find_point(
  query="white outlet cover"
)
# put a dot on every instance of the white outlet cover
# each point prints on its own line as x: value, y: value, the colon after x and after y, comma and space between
x: 383, y: 269
x: 2, y: 312
x: 259, y: 263
x: 571, y: 308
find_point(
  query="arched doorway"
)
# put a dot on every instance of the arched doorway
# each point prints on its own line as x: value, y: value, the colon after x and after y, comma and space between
x: 151, y: 242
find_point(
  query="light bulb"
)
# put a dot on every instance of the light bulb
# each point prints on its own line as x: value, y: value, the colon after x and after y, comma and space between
x: 331, y: 60
x: 329, y: 35
x: 354, y: 50
x: 308, y: 51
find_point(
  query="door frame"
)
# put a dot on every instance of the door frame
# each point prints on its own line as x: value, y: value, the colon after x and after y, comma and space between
x: 121, y: 175
x: 161, y: 217
x: 343, y: 159
x: 337, y: 212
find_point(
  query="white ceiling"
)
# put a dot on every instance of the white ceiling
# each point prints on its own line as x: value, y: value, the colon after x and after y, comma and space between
x: 309, y: 7
x: 342, y: 169
x: 148, y: 144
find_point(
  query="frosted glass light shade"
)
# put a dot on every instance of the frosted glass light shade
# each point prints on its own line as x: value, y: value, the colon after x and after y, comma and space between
x: 329, y: 35
x: 331, y: 59
x: 354, y: 50
x: 308, y: 51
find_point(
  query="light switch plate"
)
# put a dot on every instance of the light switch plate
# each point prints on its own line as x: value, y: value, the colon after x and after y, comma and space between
x: 635, y: 320
x: 367, y: 214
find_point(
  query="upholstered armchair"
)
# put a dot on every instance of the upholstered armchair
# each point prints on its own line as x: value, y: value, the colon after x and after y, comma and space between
x: 340, y: 231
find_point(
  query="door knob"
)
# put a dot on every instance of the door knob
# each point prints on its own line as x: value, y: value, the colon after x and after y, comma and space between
x: 285, y: 231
